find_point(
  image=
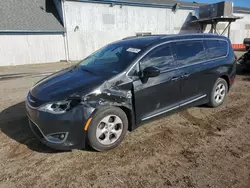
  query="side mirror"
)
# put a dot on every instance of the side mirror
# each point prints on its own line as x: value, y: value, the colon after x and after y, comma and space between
x: 151, y: 72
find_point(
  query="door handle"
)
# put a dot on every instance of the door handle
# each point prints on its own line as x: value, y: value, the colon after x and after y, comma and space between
x: 175, y: 79
x: 185, y: 76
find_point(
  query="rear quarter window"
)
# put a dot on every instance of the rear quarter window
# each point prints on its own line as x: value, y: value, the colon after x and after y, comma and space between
x: 216, y: 48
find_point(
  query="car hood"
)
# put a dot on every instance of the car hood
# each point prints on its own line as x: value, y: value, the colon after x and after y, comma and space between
x: 62, y: 84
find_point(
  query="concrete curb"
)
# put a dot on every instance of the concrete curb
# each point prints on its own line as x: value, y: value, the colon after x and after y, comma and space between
x: 20, y: 75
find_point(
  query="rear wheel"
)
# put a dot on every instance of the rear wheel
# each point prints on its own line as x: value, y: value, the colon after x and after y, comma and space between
x: 218, y: 93
x: 108, y: 128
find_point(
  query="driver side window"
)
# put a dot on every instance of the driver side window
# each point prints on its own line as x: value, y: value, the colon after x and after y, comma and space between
x: 160, y: 57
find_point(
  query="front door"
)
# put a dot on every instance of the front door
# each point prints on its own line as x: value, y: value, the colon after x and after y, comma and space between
x: 158, y: 94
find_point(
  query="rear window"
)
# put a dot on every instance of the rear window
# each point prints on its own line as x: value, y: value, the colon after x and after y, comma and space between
x: 188, y: 52
x: 216, y: 48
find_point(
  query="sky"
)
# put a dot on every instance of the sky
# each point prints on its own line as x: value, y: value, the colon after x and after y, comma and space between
x: 241, y: 3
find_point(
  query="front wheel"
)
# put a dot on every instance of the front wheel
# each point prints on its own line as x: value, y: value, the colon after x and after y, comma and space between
x: 107, y: 129
x: 218, y: 93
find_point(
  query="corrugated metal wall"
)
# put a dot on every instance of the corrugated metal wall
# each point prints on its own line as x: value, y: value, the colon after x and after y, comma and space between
x: 240, y: 29
x: 91, y: 26
x: 31, y: 49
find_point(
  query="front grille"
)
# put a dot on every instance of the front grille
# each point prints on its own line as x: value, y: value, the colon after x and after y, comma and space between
x: 35, y: 129
x: 34, y: 102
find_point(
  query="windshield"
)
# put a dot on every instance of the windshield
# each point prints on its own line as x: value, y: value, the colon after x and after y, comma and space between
x: 111, y: 59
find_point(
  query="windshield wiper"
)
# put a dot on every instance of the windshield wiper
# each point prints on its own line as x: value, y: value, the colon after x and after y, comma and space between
x: 88, y: 70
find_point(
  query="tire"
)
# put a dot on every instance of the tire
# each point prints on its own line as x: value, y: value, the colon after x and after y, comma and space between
x: 107, y: 129
x: 219, y: 92
x: 246, y: 41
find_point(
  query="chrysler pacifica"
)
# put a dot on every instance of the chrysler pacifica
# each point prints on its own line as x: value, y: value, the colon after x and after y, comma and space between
x: 128, y: 82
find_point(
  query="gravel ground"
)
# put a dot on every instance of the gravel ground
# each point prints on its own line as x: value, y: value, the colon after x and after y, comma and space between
x: 198, y: 147
x: 33, y: 68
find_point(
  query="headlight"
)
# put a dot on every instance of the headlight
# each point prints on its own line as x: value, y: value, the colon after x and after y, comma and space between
x: 59, y: 107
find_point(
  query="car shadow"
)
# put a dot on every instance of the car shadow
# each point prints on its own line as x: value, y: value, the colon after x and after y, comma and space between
x: 14, y: 123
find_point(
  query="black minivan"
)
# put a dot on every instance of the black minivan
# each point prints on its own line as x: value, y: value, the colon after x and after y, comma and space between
x: 128, y: 82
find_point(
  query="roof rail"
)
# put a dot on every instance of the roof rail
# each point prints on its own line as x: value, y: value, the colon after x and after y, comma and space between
x: 187, y: 34
x: 136, y: 36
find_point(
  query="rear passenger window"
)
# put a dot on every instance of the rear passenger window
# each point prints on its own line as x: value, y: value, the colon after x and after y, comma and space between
x: 188, y: 52
x: 160, y: 57
x: 216, y: 48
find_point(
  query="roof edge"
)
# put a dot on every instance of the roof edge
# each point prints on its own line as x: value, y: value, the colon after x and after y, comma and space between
x: 183, y: 5
x: 129, y: 3
x: 30, y: 32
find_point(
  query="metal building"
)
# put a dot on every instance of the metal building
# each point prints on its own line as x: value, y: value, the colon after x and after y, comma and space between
x: 91, y: 24
x: 39, y: 31
x: 30, y: 32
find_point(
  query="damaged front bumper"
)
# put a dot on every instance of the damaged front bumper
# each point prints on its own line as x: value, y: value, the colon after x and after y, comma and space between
x: 60, y: 131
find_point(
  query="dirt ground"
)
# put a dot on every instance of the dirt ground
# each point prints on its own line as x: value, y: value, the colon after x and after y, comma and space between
x: 198, y: 147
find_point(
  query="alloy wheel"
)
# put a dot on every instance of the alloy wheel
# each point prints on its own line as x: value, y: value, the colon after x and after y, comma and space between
x: 109, y: 129
x: 220, y: 93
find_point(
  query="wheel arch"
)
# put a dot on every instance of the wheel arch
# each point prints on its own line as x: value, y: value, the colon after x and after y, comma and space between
x: 130, y: 115
x: 225, y: 77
